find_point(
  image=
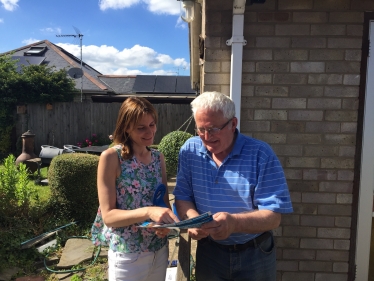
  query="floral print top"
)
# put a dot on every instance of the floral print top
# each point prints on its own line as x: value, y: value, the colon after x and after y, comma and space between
x: 135, y: 189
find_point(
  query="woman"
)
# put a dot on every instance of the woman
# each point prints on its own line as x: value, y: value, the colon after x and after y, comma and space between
x: 128, y: 174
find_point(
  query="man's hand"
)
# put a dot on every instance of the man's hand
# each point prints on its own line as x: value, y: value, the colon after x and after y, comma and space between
x: 221, y: 227
x: 197, y: 233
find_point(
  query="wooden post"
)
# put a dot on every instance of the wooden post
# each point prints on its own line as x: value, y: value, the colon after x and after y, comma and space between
x: 184, y: 253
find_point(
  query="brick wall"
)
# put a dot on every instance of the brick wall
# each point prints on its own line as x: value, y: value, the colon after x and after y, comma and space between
x: 300, y: 89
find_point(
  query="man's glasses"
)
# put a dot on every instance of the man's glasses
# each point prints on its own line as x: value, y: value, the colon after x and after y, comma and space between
x: 211, y: 131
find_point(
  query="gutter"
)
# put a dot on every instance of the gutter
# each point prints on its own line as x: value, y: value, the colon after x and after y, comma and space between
x: 237, y: 42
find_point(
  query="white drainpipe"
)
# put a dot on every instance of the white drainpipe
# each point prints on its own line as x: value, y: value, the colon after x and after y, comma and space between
x: 237, y: 42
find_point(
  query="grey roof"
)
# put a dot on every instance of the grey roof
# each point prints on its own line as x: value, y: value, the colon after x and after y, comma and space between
x: 106, y: 88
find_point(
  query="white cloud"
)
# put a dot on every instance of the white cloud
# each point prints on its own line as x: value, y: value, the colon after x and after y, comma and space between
x: 30, y: 41
x: 1, y: 20
x: 170, y: 7
x: 55, y: 30
x: 9, y: 5
x: 109, y: 60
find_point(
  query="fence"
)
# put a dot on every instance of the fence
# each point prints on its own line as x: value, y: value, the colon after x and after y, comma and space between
x: 70, y: 123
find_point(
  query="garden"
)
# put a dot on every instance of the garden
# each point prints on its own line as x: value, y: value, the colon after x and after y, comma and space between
x: 69, y: 203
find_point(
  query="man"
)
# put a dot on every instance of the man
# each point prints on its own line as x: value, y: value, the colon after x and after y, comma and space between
x: 241, y: 182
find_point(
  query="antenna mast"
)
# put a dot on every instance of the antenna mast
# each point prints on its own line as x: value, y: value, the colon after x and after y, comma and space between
x: 80, y: 39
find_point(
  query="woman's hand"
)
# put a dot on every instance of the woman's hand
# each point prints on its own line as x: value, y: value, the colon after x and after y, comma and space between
x: 162, y: 232
x: 161, y: 215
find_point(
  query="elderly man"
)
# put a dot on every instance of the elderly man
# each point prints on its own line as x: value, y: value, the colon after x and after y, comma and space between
x: 238, y: 179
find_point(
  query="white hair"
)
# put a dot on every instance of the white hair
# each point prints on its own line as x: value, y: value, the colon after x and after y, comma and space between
x: 214, y: 101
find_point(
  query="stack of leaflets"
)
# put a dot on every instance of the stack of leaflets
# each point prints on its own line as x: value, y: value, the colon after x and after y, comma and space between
x: 195, y: 222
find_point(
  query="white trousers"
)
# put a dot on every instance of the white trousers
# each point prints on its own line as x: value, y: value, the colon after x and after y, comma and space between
x: 146, y: 266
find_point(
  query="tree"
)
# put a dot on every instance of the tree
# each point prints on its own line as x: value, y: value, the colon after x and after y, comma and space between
x: 34, y: 84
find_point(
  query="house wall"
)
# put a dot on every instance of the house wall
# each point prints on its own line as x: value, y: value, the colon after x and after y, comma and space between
x: 300, y: 93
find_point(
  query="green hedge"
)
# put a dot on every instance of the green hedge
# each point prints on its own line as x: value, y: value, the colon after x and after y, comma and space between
x: 170, y: 146
x: 72, y: 179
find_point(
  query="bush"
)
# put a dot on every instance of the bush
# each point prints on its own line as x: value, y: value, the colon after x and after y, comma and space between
x: 170, y: 146
x: 72, y: 179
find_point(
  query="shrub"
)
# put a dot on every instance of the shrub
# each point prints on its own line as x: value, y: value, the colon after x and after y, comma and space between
x: 72, y: 179
x: 170, y: 146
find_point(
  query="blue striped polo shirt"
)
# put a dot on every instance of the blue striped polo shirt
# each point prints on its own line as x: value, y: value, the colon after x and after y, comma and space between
x: 251, y: 177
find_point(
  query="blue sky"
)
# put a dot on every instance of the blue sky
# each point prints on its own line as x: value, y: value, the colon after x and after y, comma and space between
x: 122, y: 37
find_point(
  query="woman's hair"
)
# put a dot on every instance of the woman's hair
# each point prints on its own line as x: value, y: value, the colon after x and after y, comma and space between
x: 214, y: 101
x: 131, y: 111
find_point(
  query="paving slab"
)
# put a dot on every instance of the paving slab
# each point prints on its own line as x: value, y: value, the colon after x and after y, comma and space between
x: 7, y: 273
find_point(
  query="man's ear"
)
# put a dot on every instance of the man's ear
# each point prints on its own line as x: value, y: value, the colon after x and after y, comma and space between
x: 234, y: 123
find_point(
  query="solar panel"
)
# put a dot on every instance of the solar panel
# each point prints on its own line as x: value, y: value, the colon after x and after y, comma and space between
x: 184, y: 85
x: 144, y: 83
x: 28, y: 60
x: 165, y: 84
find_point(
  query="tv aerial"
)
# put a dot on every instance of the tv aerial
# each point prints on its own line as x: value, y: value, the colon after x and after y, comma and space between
x: 74, y: 72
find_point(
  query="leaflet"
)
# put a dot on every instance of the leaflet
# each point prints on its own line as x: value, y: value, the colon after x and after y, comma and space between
x: 195, y: 222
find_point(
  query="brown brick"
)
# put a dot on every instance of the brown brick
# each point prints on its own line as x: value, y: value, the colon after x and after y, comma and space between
x: 345, y: 175
x: 288, y: 150
x: 271, y: 138
x: 276, y: 91
x: 247, y: 91
x: 212, y: 42
x: 308, y: 67
x: 292, y: 174
x: 273, y: 42
x: 362, y: 5
x: 316, y: 243
x: 255, y: 126
x: 292, y: 276
x: 286, y: 242
x: 318, y: 221
x: 347, y: 17
x: 343, y: 221
x: 289, y: 103
x: 305, y: 209
x: 254, y: 102
x: 327, y: 29
x: 341, y: 210
x: 355, y: 30
x: 353, y: 55
x: 287, y: 54
x: 304, y: 139
x: 295, y: 5
x: 339, y: 91
x: 302, y: 162
x: 325, y: 103
x: 272, y: 67
x: 349, y: 127
x: 310, y: 17
x: 292, y: 29
x: 217, y: 78
x: 351, y: 79
x: 343, y: 67
x: 287, y: 265
x: 293, y: 254
x: 306, y: 91
x: 340, y: 115
x: 328, y: 79
x: 270, y: 115
x: 315, y: 265
x: 344, y: 198
x: 282, y: 17
x: 212, y: 66
x: 290, y: 79
x: 319, y: 174
x: 326, y: 255
x: 253, y: 29
x: 320, y: 198
x: 350, y: 104
x: 347, y: 151
x: 324, y: 127
x: 331, y: 5
x: 340, y: 267
x: 308, y: 42
x: 290, y: 220
x: 331, y: 277
x: 305, y: 115
x: 217, y: 54
x: 284, y: 126
x: 302, y: 185
x: 339, y: 139
x: 341, y: 244
x: 339, y: 187
x: 248, y: 66
x: 344, y: 43
x: 321, y: 151
x: 336, y: 233
x: 317, y: 54
x: 257, y: 54
x: 257, y: 78
x: 337, y: 163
